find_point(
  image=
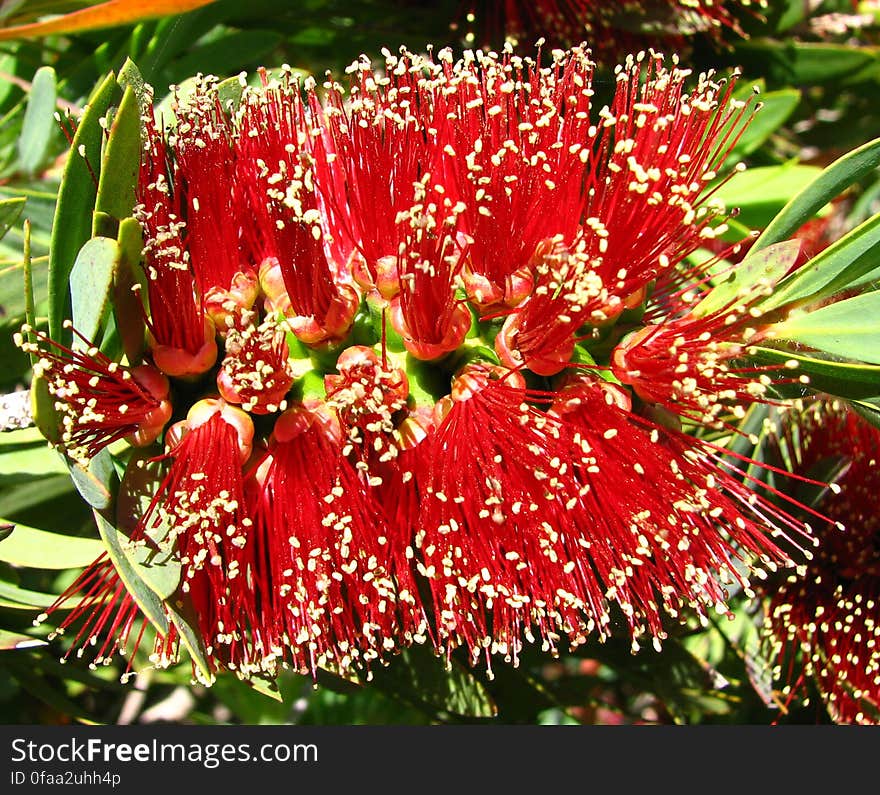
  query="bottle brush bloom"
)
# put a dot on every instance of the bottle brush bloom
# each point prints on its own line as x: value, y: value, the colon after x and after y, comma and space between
x: 409, y: 294
x: 824, y: 619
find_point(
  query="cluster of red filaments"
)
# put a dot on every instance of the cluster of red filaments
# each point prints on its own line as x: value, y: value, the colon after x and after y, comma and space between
x: 389, y: 318
x: 827, y: 618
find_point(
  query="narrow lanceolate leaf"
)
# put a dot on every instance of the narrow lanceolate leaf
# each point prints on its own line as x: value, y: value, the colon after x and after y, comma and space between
x: 832, y: 270
x: 156, y: 562
x: 768, y: 265
x: 38, y: 126
x: 191, y: 639
x: 30, y: 310
x: 127, y: 303
x: 852, y: 380
x: 14, y: 640
x: 101, y: 15
x: 39, y: 549
x: 842, y: 173
x: 91, y: 283
x: 72, y: 225
x: 849, y: 328
x: 119, y: 168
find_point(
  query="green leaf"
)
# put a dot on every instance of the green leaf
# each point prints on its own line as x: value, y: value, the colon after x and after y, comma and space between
x: 95, y: 484
x: 72, y: 224
x: 128, y: 309
x: 760, y: 193
x: 39, y: 122
x: 845, y: 379
x: 795, y: 62
x: 849, y: 328
x: 420, y: 677
x: 130, y: 77
x: 43, y: 410
x: 119, y: 169
x: 10, y: 210
x: 191, y: 640
x: 22, y: 599
x: 842, y: 173
x: 776, y: 107
x: 91, y: 283
x: 39, y: 549
x: 229, y: 93
x: 767, y: 265
x: 145, y: 597
x: 13, y: 640
x: 832, y: 269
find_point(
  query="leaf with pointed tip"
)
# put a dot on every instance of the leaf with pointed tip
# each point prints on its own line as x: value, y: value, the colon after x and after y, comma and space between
x: 72, y: 225
x: 849, y: 328
x: 119, y: 168
x: 10, y: 211
x: 768, y: 265
x: 836, y: 178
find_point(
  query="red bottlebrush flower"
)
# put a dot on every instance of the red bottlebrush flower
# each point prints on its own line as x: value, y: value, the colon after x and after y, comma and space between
x: 513, y: 513
x: 199, y: 510
x: 181, y: 336
x: 647, y: 208
x: 203, y: 172
x: 374, y: 148
x: 517, y: 142
x: 611, y: 26
x: 496, y: 539
x: 332, y: 577
x: 99, y: 400
x: 276, y: 174
x: 432, y: 320
x: 688, y: 364
x: 256, y: 372
x: 827, y: 613
x: 667, y: 526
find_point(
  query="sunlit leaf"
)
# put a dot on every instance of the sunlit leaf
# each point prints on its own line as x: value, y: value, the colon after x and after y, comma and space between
x: 849, y: 328
x: 840, y: 175
x: 39, y: 124
x: 101, y: 15
x: 40, y: 549
x: 72, y: 225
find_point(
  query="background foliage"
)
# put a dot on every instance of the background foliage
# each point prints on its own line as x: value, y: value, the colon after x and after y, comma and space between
x: 820, y: 90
